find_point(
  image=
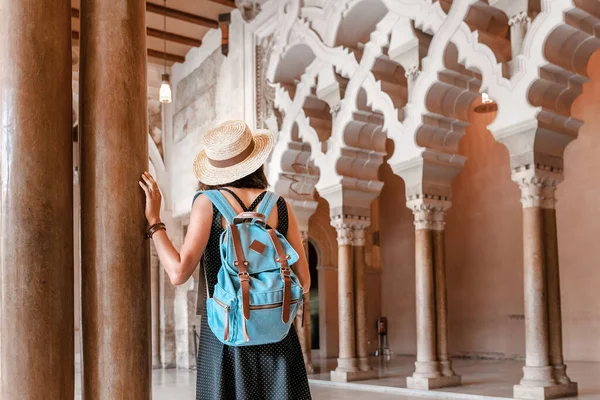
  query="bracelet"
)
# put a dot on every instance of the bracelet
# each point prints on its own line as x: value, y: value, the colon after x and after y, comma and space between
x: 155, y: 228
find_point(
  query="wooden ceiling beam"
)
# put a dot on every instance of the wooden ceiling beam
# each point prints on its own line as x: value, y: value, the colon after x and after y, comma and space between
x: 181, y: 15
x: 175, y: 14
x: 172, y: 37
x: 228, y: 3
x: 151, y: 52
x: 168, y: 56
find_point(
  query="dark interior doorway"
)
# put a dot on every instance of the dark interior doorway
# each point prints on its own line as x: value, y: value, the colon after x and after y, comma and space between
x: 313, y: 262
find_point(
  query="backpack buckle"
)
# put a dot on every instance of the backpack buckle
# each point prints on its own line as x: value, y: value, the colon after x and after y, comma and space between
x: 285, y: 272
x: 244, y: 276
x: 279, y: 260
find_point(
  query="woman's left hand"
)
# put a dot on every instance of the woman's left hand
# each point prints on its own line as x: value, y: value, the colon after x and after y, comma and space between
x: 153, y: 198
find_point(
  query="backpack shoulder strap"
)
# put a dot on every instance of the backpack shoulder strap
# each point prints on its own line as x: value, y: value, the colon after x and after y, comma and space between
x: 267, y: 204
x: 220, y: 202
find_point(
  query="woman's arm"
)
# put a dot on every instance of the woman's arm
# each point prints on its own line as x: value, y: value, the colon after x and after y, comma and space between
x: 301, y: 267
x: 179, y: 265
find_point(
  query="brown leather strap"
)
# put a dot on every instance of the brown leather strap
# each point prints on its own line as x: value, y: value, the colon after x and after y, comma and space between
x: 241, y: 265
x: 282, y: 259
x: 249, y: 215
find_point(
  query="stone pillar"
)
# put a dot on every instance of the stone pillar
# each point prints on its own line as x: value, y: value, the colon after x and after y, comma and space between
x: 361, y: 299
x: 542, y: 304
x: 115, y: 259
x: 554, y: 303
x: 347, y: 354
x: 432, y: 368
x: 155, y: 301
x: 303, y: 323
x: 348, y: 368
x: 441, y: 298
x: 36, y: 201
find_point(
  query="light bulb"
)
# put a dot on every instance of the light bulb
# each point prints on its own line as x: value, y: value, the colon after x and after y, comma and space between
x: 164, y: 93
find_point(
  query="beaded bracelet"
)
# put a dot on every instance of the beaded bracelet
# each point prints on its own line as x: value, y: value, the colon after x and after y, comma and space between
x: 155, y: 228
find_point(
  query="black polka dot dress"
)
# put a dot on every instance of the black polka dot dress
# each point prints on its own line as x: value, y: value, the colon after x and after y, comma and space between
x: 266, y: 372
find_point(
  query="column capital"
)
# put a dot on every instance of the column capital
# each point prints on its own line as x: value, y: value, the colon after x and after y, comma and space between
x: 538, y: 185
x: 347, y: 225
x: 429, y: 212
x: 519, y: 18
x: 359, y: 236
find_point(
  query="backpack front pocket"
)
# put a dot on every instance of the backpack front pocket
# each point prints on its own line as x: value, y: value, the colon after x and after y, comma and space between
x: 220, y: 319
x: 265, y: 324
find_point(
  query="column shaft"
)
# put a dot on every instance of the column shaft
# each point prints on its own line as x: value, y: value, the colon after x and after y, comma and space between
x: 441, y: 303
x: 36, y: 201
x: 536, y: 306
x: 426, y: 365
x: 115, y: 267
x: 303, y: 323
x: 347, y: 355
x: 361, y: 308
x: 554, y: 303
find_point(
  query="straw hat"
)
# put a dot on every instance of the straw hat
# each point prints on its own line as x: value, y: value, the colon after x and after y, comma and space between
x: 231, y: 152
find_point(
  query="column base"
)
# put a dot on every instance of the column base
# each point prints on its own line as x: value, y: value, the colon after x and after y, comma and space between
x: 349, y: 376
x: 560, y: 374
x: 422, y: 383
x: 446, y: 368
x: 309, y: 368
x: 363, y: 364
x: 554, y: 391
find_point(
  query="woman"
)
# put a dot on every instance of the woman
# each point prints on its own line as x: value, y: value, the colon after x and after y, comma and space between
x: 232, y: 161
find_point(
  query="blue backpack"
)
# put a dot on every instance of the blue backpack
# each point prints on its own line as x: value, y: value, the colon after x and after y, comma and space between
x: 257, y: 294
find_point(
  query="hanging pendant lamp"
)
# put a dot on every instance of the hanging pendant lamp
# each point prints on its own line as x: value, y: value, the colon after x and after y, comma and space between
x: 165, y: 95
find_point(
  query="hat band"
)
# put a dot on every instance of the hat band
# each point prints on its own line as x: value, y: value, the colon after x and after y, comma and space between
x: 234, y: 160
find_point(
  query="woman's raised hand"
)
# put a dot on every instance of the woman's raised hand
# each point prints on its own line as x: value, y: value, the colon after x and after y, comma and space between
x: 153, y: 198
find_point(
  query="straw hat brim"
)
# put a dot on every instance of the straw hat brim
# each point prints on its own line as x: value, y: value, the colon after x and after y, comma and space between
x: 264, y: 142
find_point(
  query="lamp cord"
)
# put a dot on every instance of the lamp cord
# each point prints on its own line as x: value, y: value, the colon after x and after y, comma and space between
x: 165, y: 37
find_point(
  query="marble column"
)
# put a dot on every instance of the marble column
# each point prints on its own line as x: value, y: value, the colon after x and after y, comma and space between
x: 441, y: 298
x: 542, y: 303
x: 348, y: 368
x: 554, y: 302
x: 426, y: 366
x: 303, y: 323
x: 36, y: 201
x: 115, y: 259
x: 347, y: 353
x: 432, y: 368
x: 361, y: 299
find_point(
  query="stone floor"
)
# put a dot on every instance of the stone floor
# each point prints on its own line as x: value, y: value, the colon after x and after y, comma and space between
x: 482, y: 379
x: 172, y: 384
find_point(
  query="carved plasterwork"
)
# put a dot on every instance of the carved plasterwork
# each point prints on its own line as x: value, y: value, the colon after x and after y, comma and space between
x: 547, y: 70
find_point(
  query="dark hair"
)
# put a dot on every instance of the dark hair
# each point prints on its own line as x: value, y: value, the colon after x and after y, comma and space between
x: 256, y: 180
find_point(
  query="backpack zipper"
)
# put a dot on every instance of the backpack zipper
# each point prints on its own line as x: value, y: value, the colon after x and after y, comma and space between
x: 226, y: 307
x: 255, y: 307
x: 270, y: 306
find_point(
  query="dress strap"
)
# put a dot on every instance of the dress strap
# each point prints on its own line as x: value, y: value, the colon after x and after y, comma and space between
x: 252, y: 206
